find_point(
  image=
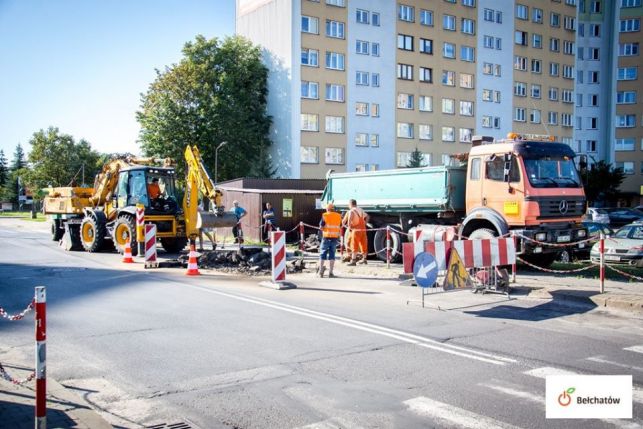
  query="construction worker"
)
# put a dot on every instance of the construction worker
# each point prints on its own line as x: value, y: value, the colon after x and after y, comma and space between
x: 269, y: 225
x: 355, y: 220
x: 153, y: 189
x: 239, y: 212
x: 330, y: 226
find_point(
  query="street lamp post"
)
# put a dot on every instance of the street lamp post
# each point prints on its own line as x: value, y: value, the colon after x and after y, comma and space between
x: 216, y: 160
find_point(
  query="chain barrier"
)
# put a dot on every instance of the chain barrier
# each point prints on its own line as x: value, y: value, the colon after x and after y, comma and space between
x: 20, y: 315
x: 549, y: 270
x: 568, y: 244
x: 623, y: 273
x: 15, y: 381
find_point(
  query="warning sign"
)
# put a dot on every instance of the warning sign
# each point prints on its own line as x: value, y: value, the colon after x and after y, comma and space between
x: 457, y: 275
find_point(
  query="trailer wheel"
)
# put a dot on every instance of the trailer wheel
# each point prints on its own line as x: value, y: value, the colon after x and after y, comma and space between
x: 482, y: 234
x: 92, y: 234
x: 379, y: 243
x: 124, y: 230
x: 57, y: 230
x: 174, y: 244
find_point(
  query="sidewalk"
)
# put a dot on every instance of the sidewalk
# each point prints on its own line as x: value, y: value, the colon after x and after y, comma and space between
x: 65, y: 409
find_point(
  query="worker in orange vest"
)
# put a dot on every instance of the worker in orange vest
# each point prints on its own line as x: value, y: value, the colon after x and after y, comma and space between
x: 355, y: 221
x: 330, y: 226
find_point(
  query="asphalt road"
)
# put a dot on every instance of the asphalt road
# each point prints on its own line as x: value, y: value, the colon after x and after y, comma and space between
x: 215, y: 351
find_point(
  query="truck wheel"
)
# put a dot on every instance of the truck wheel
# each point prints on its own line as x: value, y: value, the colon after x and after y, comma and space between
x: 542, y: 260
x: 174, y: 244
x: 57, y: 230
x: 124, y: 230
x: 92, y: 234
x: 482, y: 234
x: 379, y: 242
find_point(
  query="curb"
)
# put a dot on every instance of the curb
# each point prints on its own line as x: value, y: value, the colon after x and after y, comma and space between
x: 608, y: 301
x: 84, y: 413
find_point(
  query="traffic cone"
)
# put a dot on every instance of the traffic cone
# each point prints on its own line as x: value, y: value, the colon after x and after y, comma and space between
x: 127, y: 254
x: 193, y: 268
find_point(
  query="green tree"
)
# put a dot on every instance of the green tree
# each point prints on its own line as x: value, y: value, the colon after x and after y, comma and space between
x: 601, y: 182
x: 4, y: 169
x: 15, y: 176
x: 58, y: 160
x: 416, y: 159
x: 19, y: 160
x: 216, y: 93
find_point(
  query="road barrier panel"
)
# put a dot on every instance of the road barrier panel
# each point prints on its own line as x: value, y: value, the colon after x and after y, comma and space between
x: 278, y: 251
x: 140, y: 228
x: 151, y: 260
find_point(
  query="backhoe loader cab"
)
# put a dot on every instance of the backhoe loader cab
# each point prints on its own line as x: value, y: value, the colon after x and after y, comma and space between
x: 152, y: 187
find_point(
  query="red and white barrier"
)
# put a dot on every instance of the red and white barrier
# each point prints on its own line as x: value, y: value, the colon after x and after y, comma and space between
x: 41, y: 358
x: 151, y: 260
x: 140, y: 228
x: 278, y: 249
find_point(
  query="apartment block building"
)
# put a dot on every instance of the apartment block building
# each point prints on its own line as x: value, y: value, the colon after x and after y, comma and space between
x: 359, y: 85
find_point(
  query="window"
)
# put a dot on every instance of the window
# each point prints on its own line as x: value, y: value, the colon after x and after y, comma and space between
x: 405, y: 130
x: 466, y: 108
x: 621, y: 145
x: 522, y: 12
x: 495, y: 169
x: 579, y: 123
x: 375, y: 49
x: 334, y: 29
x: 592, y: 123
x: 375, y: 79
x: 425, y: 103
x: 475, y: 169
x: 595, y: 6
x: 309, y: 90
x: 535, y: 91
x: 426, y: 74
x: 425, y: 132
x: 626, y: 97
x: 594, y: 54
x: 534, y: 116
x: 625, y: 121
x: 448, y: 106
x: 553, y: 94
x: 403, y: 159
x: 465, y: 135
x: 467, y: 53
x: 496, y: 96
x: 488, y: 42
x: 309, y: 155
x: 334, y: 61
x: 554, y: 19
x: 520, y: 89
x: 361, y: 139
x: 448, y: 50
x: 361, y: 109
x: 552, y: 118
x: 406, y: 13
x: 590, y: 146
x: 309, y: 122
x: 448, y: 22
x: 488, y: 15
x: 367, y: 167
x: 580, y: 54
x: 498, y: 17
x: 448, y: 78
x: 469, y: 3
x: 554, y: 44
x: 487, y: 68
x: 426, y: 46
x: 567, y: 96
x: 498, y: 43
x: 537, y: 15
x: 334, y: 92
x: 628, y: 49
x: 486, y: 121
x: 334, y: 124
x: 375, y: 110
x: 405, y: 71
x: 566, y: 119
x: 405, y: 42
x: 537, y: 41
x: 487, y: 94
x: 334, y: 156
x: 466, y: 80
x: 593, y: 100
x: 405, y: 101
x: 568, y: 73
x: 339, y: 3
x: 626, y: 166
x: 536, y: 66
x: 630, y: 3
x: 448, y: 134
x: 468, y: 26
x: 309, y: 24
x: 361, y: 78
x: 519, y: 114
x: 309, y: 57
x: 520, y: 63
x: 520, y: 37
x: 426, y: 17
x: 579, y: 100
x: 627, y: 73
x: 569, y: 23
x: 497, y: 70
x: 568, y: 47
x: 374, y: 140
x: 362, y: 16
x: 630, y: 25
x: 361, y: 47
x: 375, y: 19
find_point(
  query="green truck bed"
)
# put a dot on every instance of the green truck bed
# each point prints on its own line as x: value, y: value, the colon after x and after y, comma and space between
x: 415, y: 190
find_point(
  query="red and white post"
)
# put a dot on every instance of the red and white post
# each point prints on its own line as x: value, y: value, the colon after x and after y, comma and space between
x: 41, y: 358
x: 601, y: 249
x: 342, y: 244
x: 513, y: 266
x: 140, y: 225
x: 388, y: 246
x: 278, y: 248
x: 301, y: 236
x: 151, y: 260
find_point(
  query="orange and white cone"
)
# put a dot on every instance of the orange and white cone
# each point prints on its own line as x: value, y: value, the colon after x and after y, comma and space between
x: 127, y: 253
x: 193, y: 267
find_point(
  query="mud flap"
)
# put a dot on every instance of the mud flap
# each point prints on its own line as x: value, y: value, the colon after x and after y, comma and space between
x: 71, y: 238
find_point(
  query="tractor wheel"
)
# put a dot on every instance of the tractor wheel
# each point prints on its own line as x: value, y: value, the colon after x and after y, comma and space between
x: 125, y: 230
x: 92, y: 234
x: 174, y: 244
x: 57, y: 230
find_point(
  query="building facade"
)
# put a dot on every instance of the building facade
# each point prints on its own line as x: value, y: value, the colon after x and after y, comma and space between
x: 360, y: 85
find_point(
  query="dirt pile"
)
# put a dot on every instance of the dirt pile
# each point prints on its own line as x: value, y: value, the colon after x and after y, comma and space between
x: 248, y: 261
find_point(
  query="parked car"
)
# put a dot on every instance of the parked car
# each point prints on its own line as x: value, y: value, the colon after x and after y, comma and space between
x: 597, y: 215
x: 594, y: 230
x: 624, y: 247
x: 619, y: 216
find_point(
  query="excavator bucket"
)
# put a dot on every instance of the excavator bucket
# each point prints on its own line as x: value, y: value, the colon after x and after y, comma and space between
x: 215, y: 220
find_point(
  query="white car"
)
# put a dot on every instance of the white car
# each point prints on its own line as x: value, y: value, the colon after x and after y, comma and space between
x: 598, y: 215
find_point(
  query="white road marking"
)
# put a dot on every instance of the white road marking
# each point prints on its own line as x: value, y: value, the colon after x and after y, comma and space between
x: 334, y: 423
x: 372, y: 328
x: 637, y: 395
x: 635, y: 349
x: 515, y: 393
x: 548, y: 370
x: 452, y: 416
x: 600, y: 359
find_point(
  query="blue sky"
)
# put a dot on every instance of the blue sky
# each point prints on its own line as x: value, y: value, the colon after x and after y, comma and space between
x: 81, y: 65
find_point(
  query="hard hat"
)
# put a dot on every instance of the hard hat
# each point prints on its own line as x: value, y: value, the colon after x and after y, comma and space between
x: 330, y: 206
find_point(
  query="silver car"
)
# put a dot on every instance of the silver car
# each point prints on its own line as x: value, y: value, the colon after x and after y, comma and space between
x: 624, y: 247
x: 597, y: 215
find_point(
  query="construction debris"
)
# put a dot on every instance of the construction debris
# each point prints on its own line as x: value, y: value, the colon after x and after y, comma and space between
x: 312, y: 242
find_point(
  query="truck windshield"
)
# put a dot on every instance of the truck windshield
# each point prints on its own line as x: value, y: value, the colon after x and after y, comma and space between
x: 552, y: 172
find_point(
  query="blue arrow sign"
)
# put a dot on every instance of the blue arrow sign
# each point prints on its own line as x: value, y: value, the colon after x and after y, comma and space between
x: 425, y: 270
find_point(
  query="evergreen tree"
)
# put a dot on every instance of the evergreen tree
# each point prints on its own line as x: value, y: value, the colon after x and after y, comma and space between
x: 4, y: 172
x: 19, y: 160
x: 416, y: 159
